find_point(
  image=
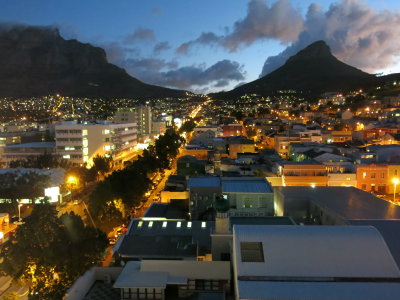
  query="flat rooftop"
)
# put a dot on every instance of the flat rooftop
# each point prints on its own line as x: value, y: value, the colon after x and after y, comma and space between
x: 349, y: 203
x: 354, y: 204
x: 166, y: 239
x: 322, y: 253
x: 245, y: 185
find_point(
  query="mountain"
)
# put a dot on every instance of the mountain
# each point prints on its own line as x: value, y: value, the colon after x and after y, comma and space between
x: 37, y: 61
x: 313, y: 70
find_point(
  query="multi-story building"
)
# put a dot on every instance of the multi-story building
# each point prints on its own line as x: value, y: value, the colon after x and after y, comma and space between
x: 79, y: 143
x: 372, y: 178
x: 233, y: 130
x: 140, y: 115
x: 26, y: 150
x: 306, y: 173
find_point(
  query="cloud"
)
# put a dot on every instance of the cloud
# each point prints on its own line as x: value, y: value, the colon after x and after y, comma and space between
x: 279, y: 21
x: 356, y: 33
x: 206, y: 38
x: 140, y: 34
x: 164, y: 73
x: 161, y: 46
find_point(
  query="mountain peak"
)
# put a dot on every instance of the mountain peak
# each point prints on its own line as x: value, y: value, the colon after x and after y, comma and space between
x: 37, y: 61
x: 316, y: 50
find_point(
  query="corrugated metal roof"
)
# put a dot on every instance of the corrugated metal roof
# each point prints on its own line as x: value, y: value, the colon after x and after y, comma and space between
x: 245, y: 185
x: 204, y: 182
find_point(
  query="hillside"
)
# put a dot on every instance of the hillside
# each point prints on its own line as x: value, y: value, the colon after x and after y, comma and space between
x: 37, y: 61
x: 313, y: 70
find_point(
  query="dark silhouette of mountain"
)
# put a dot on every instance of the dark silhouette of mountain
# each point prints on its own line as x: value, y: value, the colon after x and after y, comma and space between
x: 37, y: 61
x: 313, y: 70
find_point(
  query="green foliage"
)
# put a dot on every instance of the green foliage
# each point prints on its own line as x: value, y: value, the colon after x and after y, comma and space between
x: 52, y: 252
x: 40, y: 162
x: 188, y: 126
x: 130, y: 184
x: 11, y: 296
x: 102, y: 164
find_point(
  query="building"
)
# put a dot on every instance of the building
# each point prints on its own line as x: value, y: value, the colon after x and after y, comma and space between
x: 373, y: 178
x: 240, y: 145
x: 165, y: 239
x: 247, y: 196
x: 313, y: 263
x: 233, y: 130
x: 154, y: 279
x: 144, y: 119
x: 140, y: 115
x: 332, y: 205
x: 27, y: 150
x: 189, y: 165
x: 305, y: 173
x: 52, y: 191
x: 79, y: 143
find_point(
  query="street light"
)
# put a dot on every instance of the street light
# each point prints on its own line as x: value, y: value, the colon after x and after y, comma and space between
x: 19, y: 212
x: 72, y: 180
x: 395, y: 182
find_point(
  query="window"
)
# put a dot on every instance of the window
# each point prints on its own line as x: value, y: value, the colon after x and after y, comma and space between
x: 203, y: 224
x: 189, y: 224
x: 164, y: 224
x: 382, y: 175
x: 364, y: 175
x: 251, y: 251
x: 364, y: 187
x: 178, y: 224
x: 373, y: 175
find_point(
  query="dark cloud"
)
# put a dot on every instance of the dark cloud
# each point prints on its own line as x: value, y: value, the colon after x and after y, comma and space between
x: 357, y: 34
x: 140, y: 34
x: 206, y: 38
x: 161, y: 46
x: 279, y: 21
x: 164, y: 73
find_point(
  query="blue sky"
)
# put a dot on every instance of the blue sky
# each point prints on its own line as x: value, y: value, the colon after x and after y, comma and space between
x: 215, y: 45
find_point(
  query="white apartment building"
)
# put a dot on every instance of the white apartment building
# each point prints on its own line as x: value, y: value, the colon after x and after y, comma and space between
x: 79, y: 143
x: 140, y: 115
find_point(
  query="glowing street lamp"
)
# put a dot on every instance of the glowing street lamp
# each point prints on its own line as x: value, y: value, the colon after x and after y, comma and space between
x: 395, y: 182
x: 19, y: 212
x: 72, y: 180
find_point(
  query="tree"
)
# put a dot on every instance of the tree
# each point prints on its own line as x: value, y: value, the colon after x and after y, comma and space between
x: 188, y: 126
x: 51, y: 252
x: 11, y: 296
x: 102, y: 164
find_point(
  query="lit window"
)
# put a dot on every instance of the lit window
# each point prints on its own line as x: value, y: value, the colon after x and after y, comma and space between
x: 84, y: 132
x: 189, y: 224
x: 67, y: 156
x: 151, y: 224
x: 203, y: 224
x: 107, y: 147
x: 126, y: 129
x: 140, y: 224
x: 178, y: 224
x: 364, y: 175
x: 164, y: 224
x: 106, y: 131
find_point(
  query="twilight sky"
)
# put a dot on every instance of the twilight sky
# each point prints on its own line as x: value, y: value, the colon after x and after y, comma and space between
x: 213, y: 45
